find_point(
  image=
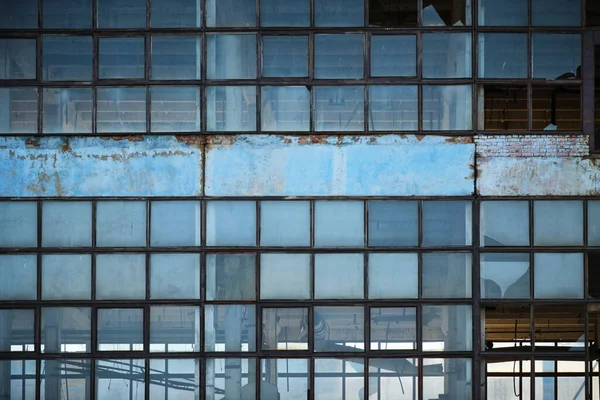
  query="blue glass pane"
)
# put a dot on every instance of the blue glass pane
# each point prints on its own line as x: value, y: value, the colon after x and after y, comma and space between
x: 558, y: 276
x: 230, y: 327
x: 67, y: 14
x: 393, y: 223
x: 174, y: 276
x: 231, y: 223
x: 556, y: 56
x: 393, y: 275
x: 446, y: 275
x: 182, y: 373
x: 393, y: 108
x: 284, y: 13
x: 446, y: 13
x: 64, y: 376
x: 121, y: 58
x: 66, y: 224
x: 120, y: 276
x: 339, y: 12
x: 66, y: 330
x: 175, y: 223
x: 503, y: 13
x: 275, y: 272
x: 339, y: 108
x: 556, y: 12
x: 22, y: 14
x: 18, y: 110
x: 19, y: 378
x: 447, y: 55
x: 339, y: 276
x: 339, y: 224
x: 121, y: 110
x: 502, y: 55
x: 231, y: 56
x: 393, y: 55
x: 176, y: 57
x: 120, y: 329
x: 118, y: 379
x: 349, y: 319
x: 121, y: 13
x: 18, y: 277
x: 447, y: 223
x: 174, y: 328
x: 285, y: 108
x: 447, y: 108
x: 17, y: 58
x: 285, y: 223
x: 67, y: 58
x: 17, y: 333
x: 175, y: 109
x: 285, y: 56
x: 121, y: 223
x: 231, y: 108
x: 230, y: 277
x: 339, y: 56
x: 230, y: 13
x: 66, y: 276
x: 18, y: 224
x: 176, y: 14
x: 67, y: 110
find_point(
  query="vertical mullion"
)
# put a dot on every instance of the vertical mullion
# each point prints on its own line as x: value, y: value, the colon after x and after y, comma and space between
x: 39, y: 76
x: 475, y: 293
x: 257, y: 86
x: 203, y: 108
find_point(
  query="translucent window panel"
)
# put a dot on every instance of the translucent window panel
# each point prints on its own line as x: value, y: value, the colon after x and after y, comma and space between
x: 183, y: 376
x: 339, y: 379
x: 285, y: 329
x: 446, y: 275
x: 285, y: 109
x: 120, y: 276
x: 284, y: 13
x: 230, y: 13
x: 558, y: 222
x: 17, y: 332
x: 447, y: 55
x: 339, y: 56
x: 67, y: 110
x: 64, y: 379
x: 385, y: 14
x: 447, y: 108
x: 17, y: 58
x: 339, y: 108
x: 121, y: 223
x: 175, y: 223
x: 339, y: 329
x: 67, y: 58
x: 121, y: 13
x: 67, y: 14
x: 505, y: 275
x: 18, y: 277
x: 447, y: 328
x: 121, y: 110
x: 558, y: 276
x: 19, y: 14
x: 285, y: 223
x: 229, y: 327
x: 447, y: 223
x: 230, y: 277
x: 393, y: 223
x: 393, y: 275
x: 275, y: 273
x: 174, y: 328
x: 18, y: 379
x: 120, y: 379
x: 176, y: 14
x: 503, y: 13
x: 504, y: 223
x: 556, y: 12
x: 556, y: 56
x: 449, y: 377
x: 556, y: 108
x: 120, y: 329
x: 66, y: 330
x: 66, y: 224
x: 285, y: 56
x: 175, y: 109
x: 393, y: 108
x: 502, y: 55
x: 66, y: 276
x: 176, y: 57
x: 339, y: 13
x: 447, y: 13
x: 227, y: 377
x: 18, y: 224
x: 231, y: 223
x: 231, y: 108
x: 276, y: 376
x: 339, y: 224
x: 394, y: 328
x: 231, y: 56
x: 593, y: 216
x: 339, y: 276
x: 394, y: 378
x: 18, y: 110
x: 175, y: 276
x: 121, y: 58
x: 393, y: 55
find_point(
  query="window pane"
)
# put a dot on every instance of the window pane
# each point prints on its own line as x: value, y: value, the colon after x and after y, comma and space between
x: 285, y: 109
x: 339, y: 12
x: 226, y: 377
x: 64, y: 379
x: 504, y: 223
x: 393, y: 275
x: 175, y: 223
x: 230, y: 328
x: 285, y: 223
x: 18, y: 378
x: 296, y: 387
x: 446, y: 275
x: 18, y: 110
x: 556, y: 56
x: 231, y: 108
x: 556, y: 108
x: 336, y: 378
x: 392, y: 385
x: 393, y: 55
x: 593, y: 213
x: 121, y: 58
x: 447, y: 223
x: 176, y: 14
x: 18, y: 224
x: 339, y: 276
x: 66, y: 330
x: 66, y: 224
x: 447, y: 55
x: 17, y: 332
x: 285, y: 329
x: 175, y: 276
x: 503, y: 13
x: 339, y: 108
x: 275, y: 272
x: 66, y: 276
x: 183, y: 376
x: 121, y: 223
x: 67, y: 58
x: 447, y: 13
x: 393, y: 223
x: 67, y: 14
x: 339, y: 56
x: 19, y: 14
x: 285, y: 56
x: 230, y: 13
x: 174, y: 328
x: 450, y: 378
x: 447, y: 328
x: 67, y: 110
x: 119, y: 379
x: 503, y: 108
x: 556, y: 12
x: 121, y: 13
x: 176, y: 57
x: 394, y: 329
x: 339, y: 223
x: 121, y: 110
x: 120, y: 276
x: 447, y: 108
x: 339, y: 329
x: 284, y: 13
x: 231, y: 223
x: 231, y: 56
x: 17, y: 58
x: 558, y: 223
x: 504, y: 276
x: 175, y: 109
x: 393, y: 108
x: 558, y: 276
x: 120, y: 329
x: 230, y: 277
x: 502, y: 55
x: 387, y: 14
x: 18, y: 277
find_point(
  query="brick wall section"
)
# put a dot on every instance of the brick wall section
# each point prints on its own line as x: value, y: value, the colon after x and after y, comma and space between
x: 532, y: 145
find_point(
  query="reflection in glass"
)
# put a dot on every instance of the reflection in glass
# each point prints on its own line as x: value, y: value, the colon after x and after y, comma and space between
x: 18, y: 277
x: 394, y: 378
x: 285, y: 329
x: 447, y: 328
x: 505, y: 275
x: 339, y: 12
x: 558, y: 222
x: 386, y: 14
x: 175, y: 109
x: 231, y: 108
x: 67, y: 110
x: 447, y: 13
x: 275, y: 378
x: 339, y: 108
x: 17, y: 58
x: 121, y: 13
x: 66, y: 330
x: 339, y: 329
x: 503, y: 13
x: 339, y: 224
x: 121, y: 223
x: 285, y: 223
x: 175, y: 223
x: 230, y: 277
x: 393, y: 223
x: 556, y: 108
x: 66, y: 276
x: 16, y: 330
x: 64, y: 379
x: 121, y: 58
x: 121, y: 109
x: 176, y: 14
x: 394, y: 328
x: 339, y: 56
x: 446, y: 275
x: 447, y: 223
x: 120, y: 329
x: 502, y: 55
x: 67, y: 14
x: 229, y: 327
x: 227, y: 378
x: 339, y: 276
x: 120, y: 379
x: 285, y: 108
x: 393, y: 55
x: 556, y: 12
x: 449, y: 377
x: 19, y: 14
x: 393, y: 108
x: 174, y: 276
x: 447, y: 108
x: 174, y: 328
x: 504, y: 223
x: 447, y: 55
x: 393, y: 275
x: 556, y: 56
x: 593, y: 216
x: 567, y: 266
x: 120, y: 276
x: 231, y: 223
x: 231, y: 56
x: 176, y: 57
x: 285, y: 56
x: 284, y: 13
x: 18, y: 224
x: 67, y: 58
x: 230, y: 13
x: 177, y: 379
x: 340, y: 379
x: 275, y: 273
x: 66, y: 224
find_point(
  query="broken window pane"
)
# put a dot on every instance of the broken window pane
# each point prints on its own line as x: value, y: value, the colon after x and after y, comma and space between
x: 339, y: 56
x: 17, y: 58
x: 556, y: 12
x: 231, y: 108
x: 446, y: 275
x: 339, y: 12
x: 447, y: 55
x: 567, y: 266
x: 559, y: 326
x: 447, y: 12
x: 121, y: 109
x: 393, y: 14
x: 593, y: 275
x: 285, y: 108
x: 558, y: 223
x: 502, y: 55
x: 230, y: 13
x: 393, y: 55
x: 17, y: 333
x: 339, y: 276
x: 504, y: 223
x: 556, y: 108
x: 592, y: 16
x: 393, y: 275
x: 505, y: 275
x: 67, y: 110
x: 393, y: 108
x: 284, y: 13
x: 285, y: 56
x: 503, y: 108
x: 447, y: 108
x: 339, y: 108
x: 503, y: 13
x: 556, y: 56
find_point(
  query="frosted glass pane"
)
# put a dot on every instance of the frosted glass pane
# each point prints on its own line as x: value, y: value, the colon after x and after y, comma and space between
x: 18, y: 224
x: 446, y: 275
x: 131, y: 379
x: 121, y: 223
x: 231, y: 223
x: 275, y: 273
x: 339, y: 12
x: 393, y: 276
x: 174, y: 328
x: 558, y: 223
x: 339, y: 224
x: 393, y: 223
x: 120, y: 276
x: 558, y: 276
x: 231, y: 56
x: 339, y: 276
x: 66, y: 330
x: 504, y: 223
x: 175, y: 276
x: 447, y: 328
x: 16, y: 330
x: 593, y: 223
x: 447, y: 55
x: 175, y: 223
x: 230, y: 327
x: 285, y: 223
x: 18, y: 277
x: 505, y: 275
x: 404, y: 334
x: 447, y: 223
x: 66, y: 276
x: 182, y: 374
x: 67, y: 224
x: 230, y: 277
x: 120, y: 329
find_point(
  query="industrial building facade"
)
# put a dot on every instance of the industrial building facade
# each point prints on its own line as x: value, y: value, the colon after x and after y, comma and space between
x: 299, y: 199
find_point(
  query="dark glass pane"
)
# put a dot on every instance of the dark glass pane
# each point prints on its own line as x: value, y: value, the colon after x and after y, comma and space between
x: 592, y: 16
x: 504, y: 223
x: 393, y: 14
x: 175, y: 109
x: 447, y: 108
x: 176, y: 57
x: 18, y: 277
x: 502, y: 55
x: 230, y: 13
x: 67, y: 110
x: 65, y: 379
x: 556, y: 108
x: 121, y: 58
x: 556, y: 12
x: 285, y: 108
x: 230, y: 327
x: 339, y: 12
x: 447, y: 55
x: 174, y: 328
x: 393, y: 55
x: 339, y: 56
x: 66, y: 276
x: 66, y: 224
x: 446, y: 275
x: 121, y: 13
x: 446, y: 12
x: 175, y: 276
x: 120, y: 379
x: 120, y: 276
x: 231, y: 108
x: 16, y: 330
x: 120, y: 329
x: 505, y: 275
x: 504, y: 108
x: 231, y: 56
x: 121, y: 110
x: 285, y: 56
x: 284, y: 13
x: 339, y: 329
x: 67, y: 14
x: 339, y: 108
x: 22, y: 14
x: 66, y: 330
x: 393, y: 223
x: 447, y: 223
x: 556, y: 56
x: 18, y: 222
x: 503, y: 13
x: 17, y: 58
x: 393, y: 108
x: 285, y: 223
x: 18, y: 110
x: 67, y: 58
x: 230, y: 277
x: 176, y: 14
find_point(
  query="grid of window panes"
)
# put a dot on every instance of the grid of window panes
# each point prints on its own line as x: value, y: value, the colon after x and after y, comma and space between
x: 198, y: 298
x: 160, y: 66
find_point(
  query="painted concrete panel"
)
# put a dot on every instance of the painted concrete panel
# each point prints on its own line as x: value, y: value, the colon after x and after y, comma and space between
x: 390, y: 165
x: 135, y: 166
